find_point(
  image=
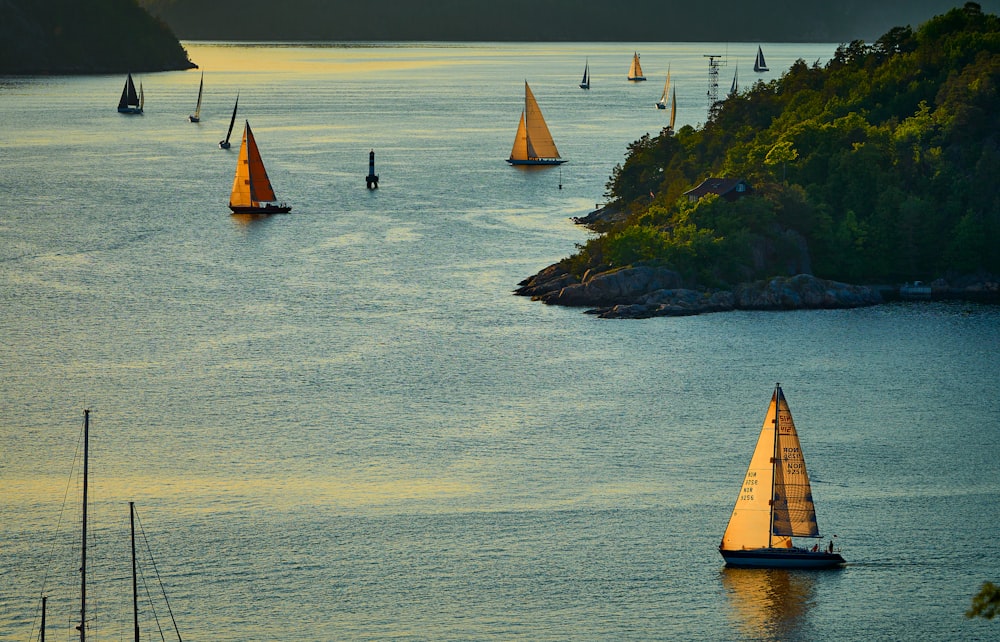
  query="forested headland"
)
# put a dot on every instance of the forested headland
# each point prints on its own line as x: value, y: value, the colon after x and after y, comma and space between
x: 880, y: 166
x: 74, y: 37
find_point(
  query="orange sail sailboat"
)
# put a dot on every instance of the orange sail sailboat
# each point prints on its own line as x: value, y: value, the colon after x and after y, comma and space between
x: 533, y: 144
x: 252, y: 191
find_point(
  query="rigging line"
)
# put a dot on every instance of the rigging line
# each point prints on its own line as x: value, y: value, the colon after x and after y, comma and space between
x: 163, y: 590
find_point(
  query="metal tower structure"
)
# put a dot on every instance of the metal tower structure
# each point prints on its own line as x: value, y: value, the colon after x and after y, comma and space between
x: 713, y: 81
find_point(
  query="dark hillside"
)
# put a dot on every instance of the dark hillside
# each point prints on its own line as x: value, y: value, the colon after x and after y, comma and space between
x: 76, y: 37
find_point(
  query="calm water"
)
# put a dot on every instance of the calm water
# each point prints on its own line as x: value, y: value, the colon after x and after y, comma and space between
x: 340, y: 425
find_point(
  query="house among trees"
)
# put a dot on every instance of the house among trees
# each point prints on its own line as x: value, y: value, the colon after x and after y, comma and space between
x: 728, y: 188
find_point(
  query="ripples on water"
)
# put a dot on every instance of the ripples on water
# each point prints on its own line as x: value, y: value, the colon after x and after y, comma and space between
x: 339, y: 424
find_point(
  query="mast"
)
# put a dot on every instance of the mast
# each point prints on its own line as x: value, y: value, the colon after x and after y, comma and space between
x: 774, y: 459
x: 83, y: 548
x: 135, y: 589
x: 41, y: 636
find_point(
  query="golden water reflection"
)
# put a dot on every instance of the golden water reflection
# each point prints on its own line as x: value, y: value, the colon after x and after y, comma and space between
x: 769, y: 604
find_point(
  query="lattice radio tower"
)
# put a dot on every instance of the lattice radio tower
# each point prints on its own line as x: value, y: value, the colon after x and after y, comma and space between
x: 713, y: 81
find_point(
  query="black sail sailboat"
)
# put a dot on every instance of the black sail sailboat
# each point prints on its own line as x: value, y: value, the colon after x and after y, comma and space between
x: 131, y: 101
x: 224, y: 144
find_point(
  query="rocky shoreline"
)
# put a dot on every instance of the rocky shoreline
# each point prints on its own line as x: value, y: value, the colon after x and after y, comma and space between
x: 641, y: 292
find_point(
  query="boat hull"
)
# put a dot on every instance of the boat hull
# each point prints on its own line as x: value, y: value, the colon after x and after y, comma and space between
x: 224, y: 144
x: 536, y: 161
x: 636, y: 78
x: 130, y: 110
x: 782, y: 558
x: 194, y: 119
x: 661, y: 105
x: 263, y: 209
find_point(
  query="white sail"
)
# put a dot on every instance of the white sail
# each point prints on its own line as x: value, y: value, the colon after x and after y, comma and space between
x: 665, y: 96
x: 775, y: 500
x: 197, y: 108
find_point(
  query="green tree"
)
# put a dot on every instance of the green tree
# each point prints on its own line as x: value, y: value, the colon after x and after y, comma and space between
x: 986, y: 603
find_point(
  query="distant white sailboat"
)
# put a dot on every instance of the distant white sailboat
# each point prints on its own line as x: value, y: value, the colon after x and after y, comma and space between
x: 635, y: 71
x: 775, y: 502
x: 758, y: 63
x: 533, y: 144
x: 665, y: 96
x: 196, y: 116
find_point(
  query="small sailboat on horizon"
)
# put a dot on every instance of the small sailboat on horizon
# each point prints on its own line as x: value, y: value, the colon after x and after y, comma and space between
x: 533, y: 144
x: 131, y: 101
x: 758, y: 63
x: 224, y: 144
x: 252, y: 192
x: 775, y: 502
x: 196, y: 116
x: 735, y: 87
x: 585, y: 83
x: 635, y: 70
x: 665, y: 96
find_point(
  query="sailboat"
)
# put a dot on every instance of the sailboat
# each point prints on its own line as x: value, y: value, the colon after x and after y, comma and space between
x: 635, y: 71
x: 775, y: 502
x: 82, y: 627
x: 196, y: 117
x: 664, y: 97
x: 735, y: 87
x: 252, y: 192
x: 758, y: 63
x: 131, y: 101
x: 585, y: 83
x: 224, y: 144
x: 533, y: 144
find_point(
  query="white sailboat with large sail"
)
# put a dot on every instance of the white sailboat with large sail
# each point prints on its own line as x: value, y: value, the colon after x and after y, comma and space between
x: 665, y: 96
x: 758, y: 63
x: 635, y: 70
x: 252, y: 192
x: 775, y: 502
x: 533, y: 144
x: 196, y: 116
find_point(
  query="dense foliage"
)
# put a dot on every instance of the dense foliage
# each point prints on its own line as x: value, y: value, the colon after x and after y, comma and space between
x: 881, y: 165
x: 96, y: 36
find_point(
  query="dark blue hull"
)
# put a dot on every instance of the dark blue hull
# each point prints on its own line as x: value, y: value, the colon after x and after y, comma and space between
x: 782, y: 558
x: 536, y: 161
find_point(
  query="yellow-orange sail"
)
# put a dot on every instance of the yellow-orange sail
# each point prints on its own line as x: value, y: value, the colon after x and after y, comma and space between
x: 635, y: 70
x: 251, y: 186
x: 533, y: 144
x: 775, y: 501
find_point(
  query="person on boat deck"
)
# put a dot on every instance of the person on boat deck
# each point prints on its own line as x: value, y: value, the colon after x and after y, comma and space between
x: 831, y: 546
x: 816, y: 547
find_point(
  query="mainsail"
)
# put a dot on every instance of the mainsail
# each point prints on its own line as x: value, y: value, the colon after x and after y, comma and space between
x: 775, y: 501
x: 251, y: 185
x: 673, y: 109
x: 197, y: 108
